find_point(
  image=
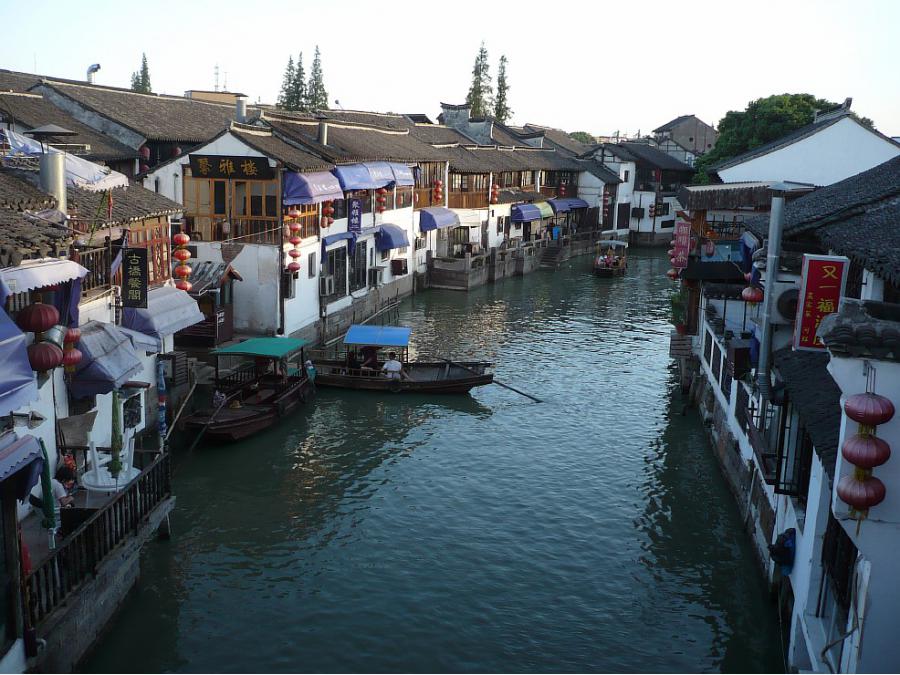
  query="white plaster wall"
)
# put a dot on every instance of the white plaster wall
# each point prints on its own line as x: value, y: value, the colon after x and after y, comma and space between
x: 640, y: 199
x: 13, y: 661
x: 590, y: 189
x: 839, y: 151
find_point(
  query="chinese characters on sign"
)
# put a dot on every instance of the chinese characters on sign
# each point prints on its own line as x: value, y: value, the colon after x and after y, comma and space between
x: 135, y: 277
x: 821, y: 289
x: 218, y: 166
x: 354, y: 215
x: 682, y: 244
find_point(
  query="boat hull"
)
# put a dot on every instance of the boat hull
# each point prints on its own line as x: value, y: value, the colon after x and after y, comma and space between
x: 426, y: 378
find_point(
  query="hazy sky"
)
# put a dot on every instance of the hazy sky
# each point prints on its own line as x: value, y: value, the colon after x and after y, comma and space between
x: 595, y: 66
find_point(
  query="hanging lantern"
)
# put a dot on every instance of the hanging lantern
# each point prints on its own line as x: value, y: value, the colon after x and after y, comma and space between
x: 295, y: 240
x: 752, y: 294
x: 323, y: 222
x: 869, y: 409
x: 181, y: 239
x: 183, y: 271
x: 672, y: 274
x: 44, y: 356
x: 330, y: 220
x: 861, y: 492
x: 38, y: 317
x: 294, y: 267
x: 176, y: 151
x: 294, y: 253
x: 748, y: 276
x: 71, y: 358
x: 73, y: 335
x: 709, y: 248
x: 866, y: 451
x: 183, y: 285
x: 562, y: 190
x: 328, y: 210
x: 295, y: 227
x: 181, y: 254
x: 293, y: 212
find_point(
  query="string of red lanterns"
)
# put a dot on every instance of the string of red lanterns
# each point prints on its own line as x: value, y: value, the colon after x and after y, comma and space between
x: 380, y: 199
x: 562, y: 190
x: 182, y: 255
x: 328, y: 211
x: 37, y: 318
x: 865, y: 451
x: 295, y: 226
x: 437, y: 192
x: 495, y: 193
x: 71, y: 354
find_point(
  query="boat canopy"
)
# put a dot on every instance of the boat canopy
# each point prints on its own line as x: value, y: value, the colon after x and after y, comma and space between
x: 380, y: 336
x: 614, y: 243
x: 265, y: 347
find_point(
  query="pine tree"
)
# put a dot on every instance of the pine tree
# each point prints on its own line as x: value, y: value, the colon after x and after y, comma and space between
x: 502, y: 111
x: 140, y: 80
x: 317, y: 97
x: 479, y: 96
x: 299, y: 93
x: 284, y: 98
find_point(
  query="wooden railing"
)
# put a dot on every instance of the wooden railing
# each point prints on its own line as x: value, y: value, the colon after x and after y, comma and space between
x: 422, y: 198
x: 243, y: 230
x: 548, y: 191
x: 78, y: 556
x: 98, y: 262
x: 468, y: 200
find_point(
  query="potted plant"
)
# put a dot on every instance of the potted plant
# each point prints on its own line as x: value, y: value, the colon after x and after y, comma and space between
x: 679, y: 311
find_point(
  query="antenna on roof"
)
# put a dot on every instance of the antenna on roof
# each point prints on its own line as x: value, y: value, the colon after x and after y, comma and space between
x: 338, y: 104
x: 225, y: 83
x: 216, y: 70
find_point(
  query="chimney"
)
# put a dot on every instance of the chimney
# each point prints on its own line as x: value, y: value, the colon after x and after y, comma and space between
x: 240, y: 109
x: 323, y: 129
x: 93, y: 68
x: 53, y: 177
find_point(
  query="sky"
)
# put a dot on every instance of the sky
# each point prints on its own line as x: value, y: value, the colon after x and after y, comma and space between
x: 598, y: 66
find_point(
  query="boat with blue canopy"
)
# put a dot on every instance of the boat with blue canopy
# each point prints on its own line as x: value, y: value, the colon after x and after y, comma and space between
x: 365, y: 358
x: 258, y: 381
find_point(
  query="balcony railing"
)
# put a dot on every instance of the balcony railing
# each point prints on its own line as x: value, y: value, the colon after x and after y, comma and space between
x: 244, y: 230
x: 77, y: 557
x: 468, y: 200
x: 98, y: 262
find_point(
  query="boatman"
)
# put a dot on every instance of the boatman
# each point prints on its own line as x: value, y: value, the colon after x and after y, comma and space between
x: 393, y: 369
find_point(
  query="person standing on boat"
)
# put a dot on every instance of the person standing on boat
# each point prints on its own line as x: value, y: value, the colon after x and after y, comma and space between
x: 393, y: 369
x: 370, y: 357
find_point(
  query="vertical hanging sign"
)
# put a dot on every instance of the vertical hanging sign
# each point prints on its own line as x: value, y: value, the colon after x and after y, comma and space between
x: 821, y: 289
x: 354, y: 215
x: 682, y: 244
x: 135, y: 278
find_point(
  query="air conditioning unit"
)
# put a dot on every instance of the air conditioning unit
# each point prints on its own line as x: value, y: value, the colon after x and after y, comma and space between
x: 326, y: 285
x: 399, y: 266
x: 374, y: 277
x: 786, y: 295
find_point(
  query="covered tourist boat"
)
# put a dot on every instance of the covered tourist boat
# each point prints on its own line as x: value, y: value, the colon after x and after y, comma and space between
x: 610, y: 258
x: 366, y: 349
x: 258, y: 382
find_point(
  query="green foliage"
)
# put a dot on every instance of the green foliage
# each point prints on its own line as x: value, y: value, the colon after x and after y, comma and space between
x: 115, y: 464
x: 763, y: 121
x: 140, y: 79
x: 316, y: 95
x: 284, y: 97
x: 679, y: 302
x: 293, y: 94
x: 480, y: 91
x: 502, y: 111
x: 583, y: 137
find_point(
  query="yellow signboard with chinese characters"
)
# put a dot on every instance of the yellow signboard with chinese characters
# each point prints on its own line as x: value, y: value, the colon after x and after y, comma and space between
x: 238, y: 168
x: 821, y: 290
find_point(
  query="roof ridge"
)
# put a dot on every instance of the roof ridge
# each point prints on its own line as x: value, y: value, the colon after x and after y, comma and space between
x: 122, y: 90
x: 20, y: 93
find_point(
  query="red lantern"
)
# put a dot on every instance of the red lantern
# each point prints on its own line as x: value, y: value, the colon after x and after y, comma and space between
x: 869, y: 409
x: 73, y: 335
x: 44, y: 356
x: 709, y: 248
x: 295, y: 227
x: 438, y: 182
x: 183, y: 285
x: 183, y: 271
x: 748, y: 276
x: 866, y: 451
x: 294, y: 267
x: 752, y: 294
x: 294, y: 253
x: 181, y: 254
x: 38, y: 317
x: 176, y: 151
x: 861, y: 492
x: 181, y: 239
x: 330, y: 220
x: 380, y: 191
x: 328, y: 210
x: 672, y: 274
x: 71, y: 358
x: 295, y: 240
x: 293, y: 212
x: 562, y: 190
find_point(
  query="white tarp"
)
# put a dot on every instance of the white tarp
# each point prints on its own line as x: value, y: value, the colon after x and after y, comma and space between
x: 79, y: 172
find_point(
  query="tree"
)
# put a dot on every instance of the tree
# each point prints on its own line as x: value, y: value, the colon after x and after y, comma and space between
x: 763, y: 121
x: 287, y: 84
x: 140, y: 80
x: 480, y: 92
x: 583, y: 137
x: 316, y: 95
x: 299, y: 92
x: 502, y: 111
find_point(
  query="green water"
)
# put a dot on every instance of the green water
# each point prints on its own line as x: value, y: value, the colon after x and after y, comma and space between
x: 590, y: 532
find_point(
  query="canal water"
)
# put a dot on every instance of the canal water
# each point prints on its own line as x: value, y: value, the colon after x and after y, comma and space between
x: 590, y: 532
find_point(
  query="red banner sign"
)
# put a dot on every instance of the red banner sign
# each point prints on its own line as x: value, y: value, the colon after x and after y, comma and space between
x: 682, y: 245
x: 821, y: 290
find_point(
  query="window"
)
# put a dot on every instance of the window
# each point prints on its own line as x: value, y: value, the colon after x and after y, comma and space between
x: 385, y: 255
x: 716, y: 361
x: 836, y: 588
x: 336, y: 271
x: 403, y: 197
x: 287, y: 285
x: 420, y: 243
x: 626, y: 176
x: 707, y: 347
x: 794, y: 456
x: 311, y: 262
x: 358, y: 266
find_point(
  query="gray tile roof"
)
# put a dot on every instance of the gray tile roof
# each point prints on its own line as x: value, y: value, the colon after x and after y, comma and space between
x: 33, y: 111
x: 280, y: 149
x: 872, y: 239
x: 559, y: 138
x: 11, y: 80
x: 671, y: 124
x: 863, y: 330
x: 651, y: 157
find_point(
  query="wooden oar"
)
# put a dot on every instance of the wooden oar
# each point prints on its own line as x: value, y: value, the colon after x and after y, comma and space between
x: 210, y: 421
x: 495, y: 381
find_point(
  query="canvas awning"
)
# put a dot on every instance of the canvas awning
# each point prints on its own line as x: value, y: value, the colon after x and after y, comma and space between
x: 265, y: 347
x: 310, y: 188
x: 390, y: 236
x: 141, y: 341
x: 108, y: 360
x: 335, y: 238
x: 525, y: 213
x: 17, y: 386
x: 168, y: 311
x: 381, y: 173
x: 379, y: 336
x: 436, y: 217
x: 403, y: 174
x: 564, y: 204
x: 33, y: 274
x: 545, y: 209
x: 21, y: 460
x: 355, y: 177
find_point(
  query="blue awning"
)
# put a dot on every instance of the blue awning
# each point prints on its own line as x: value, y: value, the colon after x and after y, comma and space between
x: 378, y: 336
x: 381, y: 173
x: 141, y: 341
x: 21, y: 460
x: 168, y: 311
x: 355, y: 177
x: 435, y: 217
x: 17, y: 385
x: 310, y: 188
x: 108, y: 360
x: 390, y: 236
x: 350, y: 237
x: 564, y: 204
x: 403, y: 174
x: 525, y: 213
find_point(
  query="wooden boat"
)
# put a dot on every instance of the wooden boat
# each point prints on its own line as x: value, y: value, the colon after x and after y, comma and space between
x: 610, y: 258
x: 261, y: 380
x: 377, y: 342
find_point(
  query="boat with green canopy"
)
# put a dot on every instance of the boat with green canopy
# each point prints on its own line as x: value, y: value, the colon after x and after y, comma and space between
x: 364, y: 362
x: 258, y: 381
